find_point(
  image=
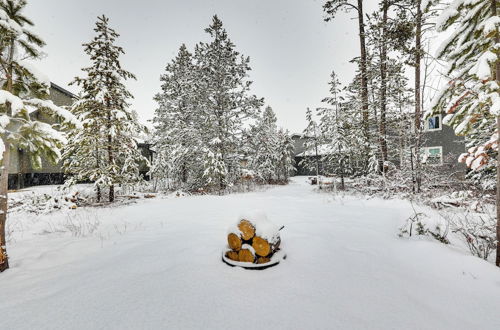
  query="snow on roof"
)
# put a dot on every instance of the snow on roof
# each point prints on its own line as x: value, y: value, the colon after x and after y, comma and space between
x: 323, y: 150
x: 62, y: 90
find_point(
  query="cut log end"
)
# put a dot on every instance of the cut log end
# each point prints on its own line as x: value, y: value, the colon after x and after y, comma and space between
x: 261, y: 246
x: 262, y: 260
x: 234, y: 241
x: 246, y: 255
x: 233, y: 255
x: 247, y: 230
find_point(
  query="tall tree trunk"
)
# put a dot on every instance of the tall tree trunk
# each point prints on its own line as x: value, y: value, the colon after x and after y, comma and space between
x: 497, y: 262
x: 497, y: 77
x: 418, y: 99
x: 110, y: 152
x: 111, y: 160
x: 4, y: 182
x: 364, y: 83
x: 383, y: 91
x: 342, y: 181
x: 4, y: 177
x: 98, y: 163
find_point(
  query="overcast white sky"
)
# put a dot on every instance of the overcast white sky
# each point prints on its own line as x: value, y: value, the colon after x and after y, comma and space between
x: 292, y: 50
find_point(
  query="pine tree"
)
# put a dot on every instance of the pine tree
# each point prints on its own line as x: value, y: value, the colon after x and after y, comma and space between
x: 105, y: 151
x: 224, y: 103
x: 388, y: 38
x: 265, y: 157
x: 23, y: 90
x: 285, y: 164
x: 335, y: 126
x: 415, y: 14
x: 203, y: 107
x: 178, y: 126
x: 473, y: 93
x: 400, y: 102
x: 313, y: 141
x: 353, y: 112
x: 331, y: 7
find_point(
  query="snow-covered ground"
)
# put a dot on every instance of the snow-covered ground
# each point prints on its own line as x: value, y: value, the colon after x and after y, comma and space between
x: 157, y: 264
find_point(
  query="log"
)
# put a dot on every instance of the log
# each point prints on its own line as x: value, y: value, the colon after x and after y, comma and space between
x: 234, y: 241
x: 245, y: 255
x: 263, y: 248
x: 247, y: 230
x: 233, y: 255
x: 262, y: 260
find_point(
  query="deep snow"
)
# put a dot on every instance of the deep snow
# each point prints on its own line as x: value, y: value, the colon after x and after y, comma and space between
x: 157, y: 264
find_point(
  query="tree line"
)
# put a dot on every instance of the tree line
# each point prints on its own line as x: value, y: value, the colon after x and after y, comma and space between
x: 210, y: 131
x: 376, y: 123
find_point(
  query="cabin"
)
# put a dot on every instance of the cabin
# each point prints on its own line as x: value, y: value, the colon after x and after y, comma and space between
x: 23, y: 174
x: 441, y: 147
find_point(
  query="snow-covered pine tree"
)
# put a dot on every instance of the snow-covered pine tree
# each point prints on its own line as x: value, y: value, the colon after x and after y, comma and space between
x: 23, y: 90
x: 332, y: 7
x: 473, y: 92
x: 285, y: 165
x: 265, y: 152
x: 335, y: 128
x: 352, y: 111
x: 485, y: 176
x: 105, y: 151
x: 312, y: 144
x: 178, y: 124
x: 224, y: 104
x: 400, y: 116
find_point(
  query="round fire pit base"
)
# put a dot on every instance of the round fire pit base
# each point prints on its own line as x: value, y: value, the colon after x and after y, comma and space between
x: 275, y: 259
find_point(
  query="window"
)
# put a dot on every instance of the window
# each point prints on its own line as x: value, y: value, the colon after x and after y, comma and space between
x: 433, y: 123
x: 433, y: 155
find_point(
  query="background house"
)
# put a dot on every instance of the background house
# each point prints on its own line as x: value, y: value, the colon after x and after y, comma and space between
x: 301, y: 153
x: 23, y: 174
x: 441, y: 147
x: 21, y: 171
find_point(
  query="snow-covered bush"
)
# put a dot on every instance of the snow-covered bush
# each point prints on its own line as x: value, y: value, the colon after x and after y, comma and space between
x: 421, y: 225
x: 476, y: 230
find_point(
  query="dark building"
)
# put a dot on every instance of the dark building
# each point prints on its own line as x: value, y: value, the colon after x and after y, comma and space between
x: 301, y: 153
x: 441, y: 147
x: 23, y: 174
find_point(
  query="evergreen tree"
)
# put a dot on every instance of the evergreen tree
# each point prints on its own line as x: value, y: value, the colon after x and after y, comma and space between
x: 265, y: 154
x: 105, y: 151
x: 204, y: 105
x: 331, y: 7
x: 312, y: 144
x: 285, y: 164
x: 400, y: 101
x: 472, y: 94
x: 224, y: 103
x: 178, y: 126
x: 335, y: 129
x: 415, y: 14
x: 352, y: 110
x: 23, y: 90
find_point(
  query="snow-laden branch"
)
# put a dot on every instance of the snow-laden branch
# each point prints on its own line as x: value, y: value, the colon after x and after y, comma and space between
x: 16, y: 103
x: 58, y: 111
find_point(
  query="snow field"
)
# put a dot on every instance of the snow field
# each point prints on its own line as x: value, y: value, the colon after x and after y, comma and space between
x: 157, y: 264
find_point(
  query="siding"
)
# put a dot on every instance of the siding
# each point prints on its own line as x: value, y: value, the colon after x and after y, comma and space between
x: 453, y: 146
x: 20, y: 167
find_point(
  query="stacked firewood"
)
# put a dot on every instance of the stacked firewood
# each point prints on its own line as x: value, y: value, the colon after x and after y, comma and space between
x: 249, y: 244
